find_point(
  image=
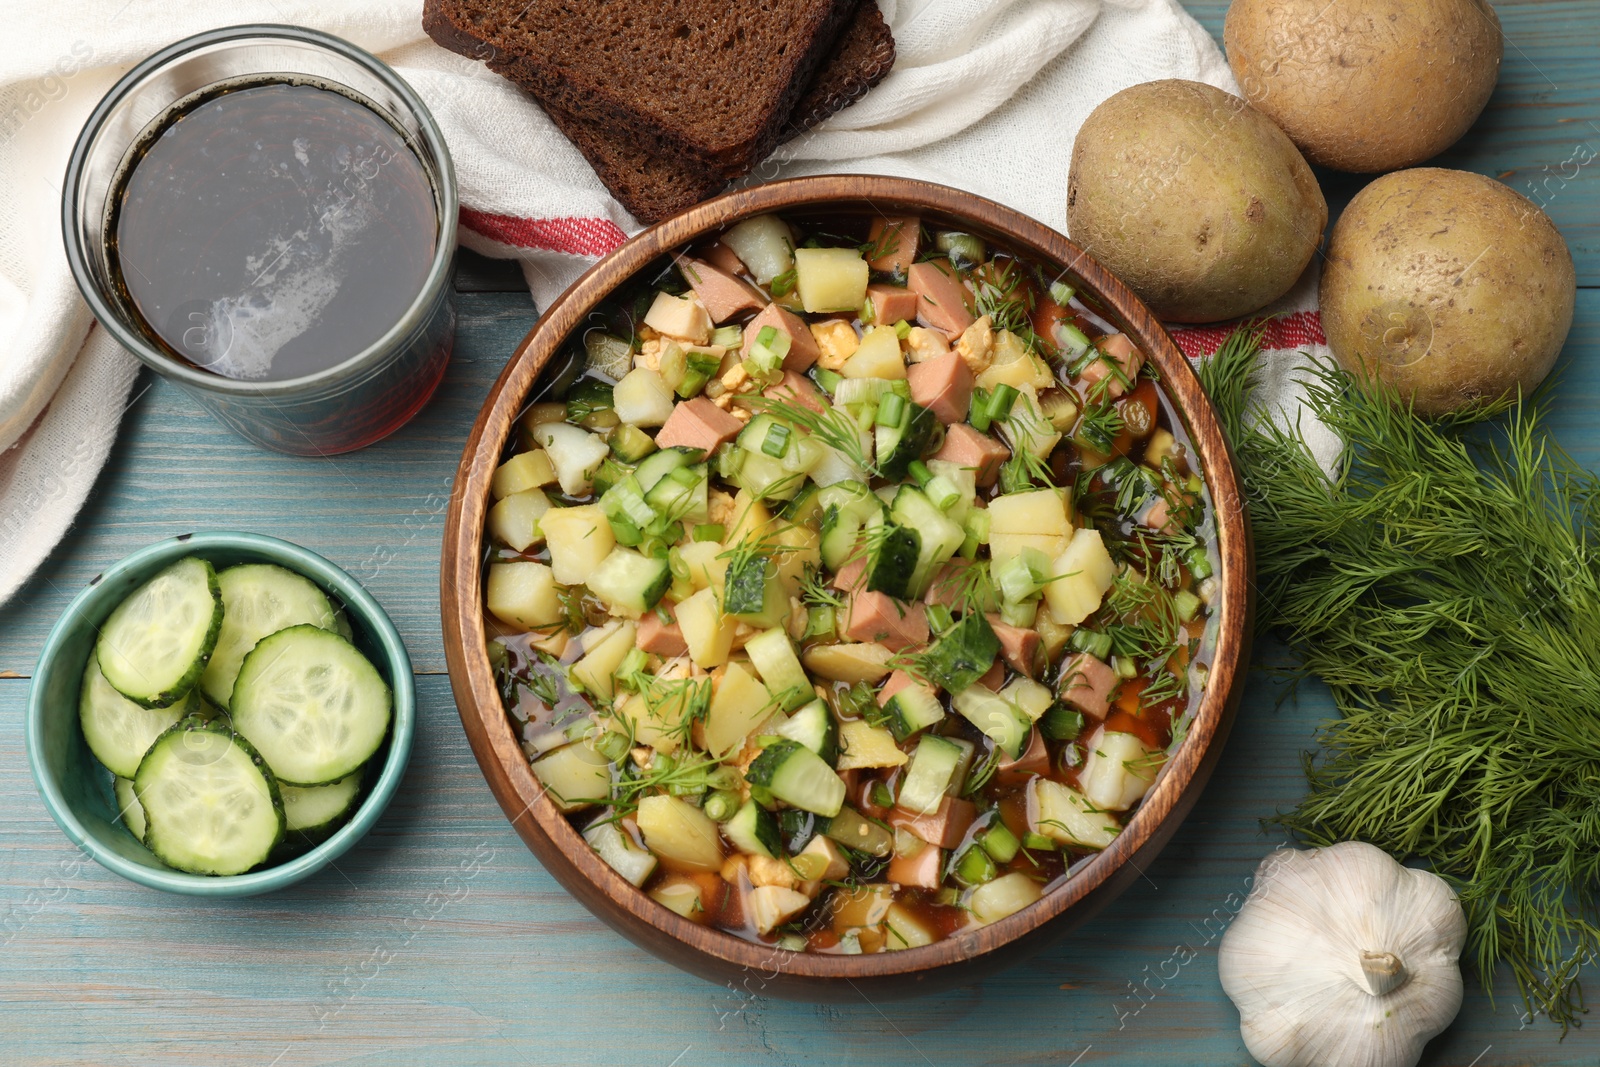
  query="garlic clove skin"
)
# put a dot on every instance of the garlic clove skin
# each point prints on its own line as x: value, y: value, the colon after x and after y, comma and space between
x: 1341, y: 957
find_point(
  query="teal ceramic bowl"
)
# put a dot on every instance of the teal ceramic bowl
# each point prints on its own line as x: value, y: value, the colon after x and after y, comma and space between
x: 77, y: 790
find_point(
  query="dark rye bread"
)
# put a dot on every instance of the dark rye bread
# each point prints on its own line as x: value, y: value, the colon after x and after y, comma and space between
x: 665, y: 73
x: 654, y: 187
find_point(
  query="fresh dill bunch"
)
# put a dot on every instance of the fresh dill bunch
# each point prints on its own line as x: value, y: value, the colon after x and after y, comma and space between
x: 1444, y: 584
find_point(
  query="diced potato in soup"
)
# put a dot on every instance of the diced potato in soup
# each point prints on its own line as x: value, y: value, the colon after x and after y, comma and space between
x: 832, y: 605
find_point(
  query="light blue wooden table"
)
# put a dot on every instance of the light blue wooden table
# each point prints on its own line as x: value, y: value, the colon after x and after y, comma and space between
x: 439, y: 939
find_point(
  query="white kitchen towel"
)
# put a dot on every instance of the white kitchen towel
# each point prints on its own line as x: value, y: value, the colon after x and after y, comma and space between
x: 986, y: 95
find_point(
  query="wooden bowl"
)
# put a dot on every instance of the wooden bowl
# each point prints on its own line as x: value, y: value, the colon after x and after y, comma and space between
x: 722, y: 957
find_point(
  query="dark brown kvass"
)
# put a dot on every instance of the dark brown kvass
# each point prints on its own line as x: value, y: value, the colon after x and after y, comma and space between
x: 272, y: 231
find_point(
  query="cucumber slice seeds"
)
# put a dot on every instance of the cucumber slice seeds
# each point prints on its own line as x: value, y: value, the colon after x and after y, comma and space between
x: 157, y: 642
x: 312, y: 704
x: 119, y: 731
x: 210, y: 804
x: 258, y: 599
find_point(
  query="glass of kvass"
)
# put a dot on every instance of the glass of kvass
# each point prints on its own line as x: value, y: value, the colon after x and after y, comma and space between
x: 266, y: 215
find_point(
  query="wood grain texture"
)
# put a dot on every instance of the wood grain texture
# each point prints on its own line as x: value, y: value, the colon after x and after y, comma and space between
x: 404, y: 956
x: 713, y: 953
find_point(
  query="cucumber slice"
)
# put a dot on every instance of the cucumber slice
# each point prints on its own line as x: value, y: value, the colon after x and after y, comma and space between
x: 118, y: 731
x: 995, y: 716
x: 630, y: 583
x: 312, y: 704
x: 931, y: 772
x: 259, y: 599
x: 772, y: 654
x: 892, y: 568
x: 210, y: 803
x: 911, y: 709
x: 940, y: 535
x: 898, y: 446
x: 341, y: 625
x: 308, y: 808
x: 157, y: 641
x: 754, y: 830
x: 798, y: 776
x: 128, y: 807
x: 840, y: 532
x: 657, y: 465
x: 813, y: 727
x: 962, y: 654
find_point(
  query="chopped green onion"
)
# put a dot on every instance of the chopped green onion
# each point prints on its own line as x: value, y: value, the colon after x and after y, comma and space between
x: 891, y: 410
x: 820, y: 622
x: 700, y: 369
x: 939, y: 618
x: 1061, y: 293
x: 782, y: 283
x: 1093, y: 642
x: 610, y: 744
x: 1001, y: 401
x: 867, y: 313
x: 965, y: 250
x: 943, y: 492
x: 1072, y: 341
x: 978, y: 411
x: 720, y: 806
x: 999, y: 842
x: 728, y: 336
x: 1060, y: 722
x: 1199, y: 563
x: 1125, y: 667
x: 709, y: 531
x: 1037, y: 842
x: 768, y: 337
x: 1186, y: 604
x: 776, y: 443
x: 827, y: 380
x: 975, y: 867
x: 881, y: 795
x: 920, y: 473
x: 902, y: 329
x: 792, y: 943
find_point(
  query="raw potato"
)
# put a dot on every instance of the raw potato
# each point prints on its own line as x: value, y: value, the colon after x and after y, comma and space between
x: 1449, y: 286
x: 1194, y: 199
x: 1366, y: 85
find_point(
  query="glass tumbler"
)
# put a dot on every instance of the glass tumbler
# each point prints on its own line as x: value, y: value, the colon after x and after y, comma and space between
x: 355, y: 400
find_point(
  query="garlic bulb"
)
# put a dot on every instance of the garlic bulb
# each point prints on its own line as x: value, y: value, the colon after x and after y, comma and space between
x: 1341, y: 957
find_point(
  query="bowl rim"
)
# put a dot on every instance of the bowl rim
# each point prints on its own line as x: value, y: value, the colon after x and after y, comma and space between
x: 500, y: 757
x: 357, y: 600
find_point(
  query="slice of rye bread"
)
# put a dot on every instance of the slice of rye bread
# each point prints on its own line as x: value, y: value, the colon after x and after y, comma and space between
x: 713, y: 79
x: 655, y: 187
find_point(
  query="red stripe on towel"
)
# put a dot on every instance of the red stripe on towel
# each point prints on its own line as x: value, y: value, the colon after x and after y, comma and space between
x: 574, y: 236
x: 1291, y: 331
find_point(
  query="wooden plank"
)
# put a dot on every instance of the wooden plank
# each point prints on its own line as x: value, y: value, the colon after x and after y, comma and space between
x: 480, y: 274
x: 440, y: 939
x: 1540, y: 133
